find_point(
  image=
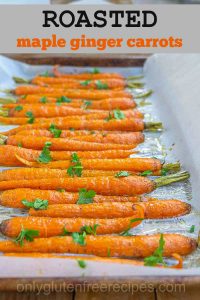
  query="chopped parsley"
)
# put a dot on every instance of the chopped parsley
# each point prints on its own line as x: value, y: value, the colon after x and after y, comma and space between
x: 146, y: 173
x: 79, y: 238
x: 85, y: 83
x: 63, y: 99
x: 126, y: 232
x: 95, y: 71
x: 31, y: 117
x: 43, y: 99
x: 157, y: 257
x: 116, y: 114
x: 122, y: 174
x: 86, y: 197
x: 82, y: 264
x: 86, y: 104
x: 37, y: 204
x: 100, y: 85
x: 18, y: 108
x: 26, y: 234
x: 90, y: 229
x: 77, y: 168
x: 192, y: 228
x: 45, y: 155
x: 55, y: 131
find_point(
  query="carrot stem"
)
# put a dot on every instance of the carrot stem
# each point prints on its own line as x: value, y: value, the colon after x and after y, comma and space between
x: 135, y: 85
x: 172, y: 166
x: 153, y: 126
x: 144, y: 95
x: 166, y: 180
x: 7, y: 100
x: 135, y: 77
x: 3, y: 112
x: 20, y: 80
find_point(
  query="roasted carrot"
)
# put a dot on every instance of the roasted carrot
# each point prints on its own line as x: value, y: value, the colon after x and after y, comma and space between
x: 62, y: 144
x: 132, y: 246
x: 101, y: 125
x: 129, y: 186
x: 13, y: 198
x: 103, y: 84
x: 122, y: 138
x: 98, y: 136
x: 82, y: 94
x: 36, y: 173
x: 86, y: 76
x: 54, y: 226
x: 106, y: 104
x: 157, y: 209
x: 49, y: 111
x: 129, y: 164
x: 8, y: 154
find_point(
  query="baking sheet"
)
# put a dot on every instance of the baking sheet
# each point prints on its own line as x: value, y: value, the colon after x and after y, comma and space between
x: 172, y: 90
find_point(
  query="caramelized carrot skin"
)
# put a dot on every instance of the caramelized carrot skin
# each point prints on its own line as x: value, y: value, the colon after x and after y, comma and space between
x: 110, y: 84
x: 129, y: 186
x: 48, y: 227
x: 129, y: 164
x: 157, y: 209
x: 106, y: 104
x: 58, y: 144
x: 118, y: 246
x: 100, y: 125
x: 8, y: 155
x: 84, y: 94
x: 37, y: 173
x: 49, y: 111
x: 13, y: 198
x: 98, y: 137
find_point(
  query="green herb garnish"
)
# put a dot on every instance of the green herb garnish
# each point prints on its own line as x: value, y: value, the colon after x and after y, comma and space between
x: 164, y: 171
x: 100, y: 85
x: 95, y: 71
x: 77, y: 168
x: 61, y: 190
x: 86, y: 197
x: 192, y: 228
x: 79, y: 238
x: 71, y: 129
x: 117, y: 114
x: 43, y: 99
x: 122, y: 174
x: 86, y: 104
x: 90, y: 229
x: 108, y: 252
x: 19, y: 145
x: 18, y: 108
x: 45, y: 155
x: 26, y: 234
x: 37, y: 204
x: 81, y: 263
x: 85, y: 83
x: 63, y: 99
x: 55, y: 131
x: 65, y: 232
x: 45, y: 74
x: 157, y: 257
x: 126, y: 232
x: 31, y: 117
x: 146, y: 173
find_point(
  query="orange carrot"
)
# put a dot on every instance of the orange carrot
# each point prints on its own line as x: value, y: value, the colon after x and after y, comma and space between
x: 112, y: 125
x: 136, y: 164
x: 106, y: 104
x: 54, y: 226
x: 103, y: 84
x: 85, y: 94
x: 85, y: 76
x: 122, y: 138
x: 131, y: 246
x: 36, y: 173
x: 8, y: 154
x: 157, y: 209
x: 130, y: 186
x: 13, y: 198
x: 49, y: 111
x: 62, y: 144
x: 98, y: 137
x: 137, y: 137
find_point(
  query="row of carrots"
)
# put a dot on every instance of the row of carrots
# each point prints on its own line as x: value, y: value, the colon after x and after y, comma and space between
x: 76, y: 179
